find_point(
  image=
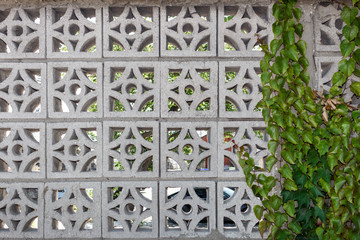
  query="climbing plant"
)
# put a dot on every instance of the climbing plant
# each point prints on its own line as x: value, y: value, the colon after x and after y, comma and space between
x: 315, y: 143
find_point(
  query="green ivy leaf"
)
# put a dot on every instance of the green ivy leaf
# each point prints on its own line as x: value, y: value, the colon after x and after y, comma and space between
x: 273, y: 131
x: 275, y: 202
x: 277, y: 28
x: 325, y: 185
x: 295, y: 227
x: 290, y: 185
x: 293, y: 53
x: 319, y: 232
x: 277, y: 11
x: 262, y: 227
x: 348, y: 15
x: 265, y: 78
x: 286, y: 171
x: 323, y: 147
x: 355, y: 88
x: 289, y: 156
x: 272, y: 146
x: 289, y: 37
x: 304, y: 62
x: 338, y: 79
x: 356, y: 55
x: 289, y: 208
x: 319, y: 213
x: 258, y: 210
x: 307, y: 137
x: 299, y: 29
x: 297, y: 13
x: 346, y: 47
x: 332, y: 161
x: 350, y: 32
x: 291, y: 135
x: 339, y: 182
x: 347, y: 66
x: 270, y: 161
x: 275, y: 45
x: 280, y: 218
x: 301, y: 45
x: 269, y: 184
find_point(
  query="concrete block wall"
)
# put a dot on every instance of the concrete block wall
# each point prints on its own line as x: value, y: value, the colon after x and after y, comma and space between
x: 119, y: 120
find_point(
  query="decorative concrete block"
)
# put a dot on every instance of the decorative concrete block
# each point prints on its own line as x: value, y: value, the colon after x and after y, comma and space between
x: 23, y: 90
x: 240, y: 28
x: 74, y: 150
x: 22, y: 152
x: 188, y: 31
x: 251, y: 135
x: 131, y: 149
x: 22, y: 33
x: 75, y: 89
x: 131, y: 31
x: 189, y: 89
x: 73, y: 32
x: 132, y: 89
x: 328, y: 27
x: 188, y: 149
x: 72, y: 210
x: 239, y: 89
x: 187, y: 208
x: 22, y: 210
x: 236, y: 218
x: 326, y: 67
x: 130, y: 209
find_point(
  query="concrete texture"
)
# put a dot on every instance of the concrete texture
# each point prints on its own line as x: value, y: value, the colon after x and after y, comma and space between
x: 78, y: 113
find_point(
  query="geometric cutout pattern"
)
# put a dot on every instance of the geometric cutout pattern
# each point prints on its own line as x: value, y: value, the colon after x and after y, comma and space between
x: 75, y: 88
x: 188, y: 149
x: 328, y: 27
x: 72, y: 210
x: 131, y: 30
x: 187, y: 208
x: 189, y: 89
x: 241, y: 27
x: 132, y: 89
x: 326, y: 67
x: 22, y: 150
x: 188, y: 31
x: 73, y: 32
x: 21, y: 210
x: 251, y: 135
x: 131, y: 149
x: 22, y: 33
x: 236, y: 218
x: 74, y: 150
x: 130, y: 209
x: 22, y: 90
x: 239, y: 89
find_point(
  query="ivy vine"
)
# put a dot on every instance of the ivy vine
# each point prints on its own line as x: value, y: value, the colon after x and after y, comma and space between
x: 315, y: 143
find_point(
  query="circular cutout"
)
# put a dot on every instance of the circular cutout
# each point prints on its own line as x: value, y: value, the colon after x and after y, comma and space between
x: 247, y: 88
x: 19, y: 89
x: 130, y: 29
x: 189, y: 90
x: 74, y: 29
x: 130, y: 207
x: 75, y: 150
x: 72, y: 209
x: 245, y: 208
x: 130, y: 149
x: 246, y: 28
x: 75, y: 89
x: 18, y: 150
x: 131, y: 89
x: 15, y: 209
x: 188, y: 29
x: 186, y: 209
x: 188, y: 149
x: 17, y: 30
